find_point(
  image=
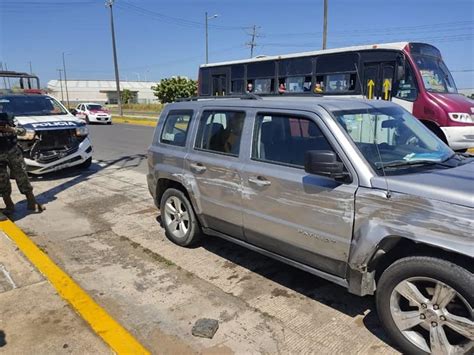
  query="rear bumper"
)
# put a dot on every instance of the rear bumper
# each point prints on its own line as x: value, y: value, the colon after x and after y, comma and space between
x: 83, y: 153
x: 459, y: 137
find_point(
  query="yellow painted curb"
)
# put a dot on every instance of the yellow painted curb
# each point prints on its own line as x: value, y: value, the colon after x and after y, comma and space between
x: 117, y: 337
x: 136, y: 121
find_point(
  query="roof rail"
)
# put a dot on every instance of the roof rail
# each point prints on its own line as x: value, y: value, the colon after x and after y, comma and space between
x: 292, y: 94
x: 248, y: 96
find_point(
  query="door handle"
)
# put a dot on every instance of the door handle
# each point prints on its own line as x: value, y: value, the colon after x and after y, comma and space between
x: 260, y: 181
x: 197, y: 167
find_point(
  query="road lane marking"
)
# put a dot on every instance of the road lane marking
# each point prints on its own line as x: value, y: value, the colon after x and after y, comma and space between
x: 117, y: 337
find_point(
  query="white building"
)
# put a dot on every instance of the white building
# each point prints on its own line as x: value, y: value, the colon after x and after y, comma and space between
x: 101, y: 91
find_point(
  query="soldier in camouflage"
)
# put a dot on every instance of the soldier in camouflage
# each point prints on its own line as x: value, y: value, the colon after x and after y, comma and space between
x: 11, y: 157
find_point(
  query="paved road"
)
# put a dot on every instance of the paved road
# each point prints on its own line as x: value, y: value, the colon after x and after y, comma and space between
x: 122, y: 144
x: 102, y: 228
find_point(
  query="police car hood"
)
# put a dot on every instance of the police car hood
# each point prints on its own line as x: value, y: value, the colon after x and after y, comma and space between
x: 49, y: 122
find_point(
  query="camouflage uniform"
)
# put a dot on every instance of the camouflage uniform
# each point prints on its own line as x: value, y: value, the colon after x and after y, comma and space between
x: 11, y: 156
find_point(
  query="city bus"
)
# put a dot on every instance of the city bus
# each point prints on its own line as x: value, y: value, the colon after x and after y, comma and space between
x: 411, y: 74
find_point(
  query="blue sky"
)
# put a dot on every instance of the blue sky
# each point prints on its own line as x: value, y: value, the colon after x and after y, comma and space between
x: 157, y: 39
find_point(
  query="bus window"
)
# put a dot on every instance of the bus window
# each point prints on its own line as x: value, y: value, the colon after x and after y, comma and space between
x: 237, y: 86
x: 237, y: 71
x: 335, y: 83
x: 295, y: 66
x: 261, y: 69
x: 263, y: 86
x: 406, y: 88
x: 204, y: 82
x: 336, y: 63
x: 296, y: 83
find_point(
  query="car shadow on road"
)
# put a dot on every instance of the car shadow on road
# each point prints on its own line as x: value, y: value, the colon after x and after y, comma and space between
x: 75, y: 176
x: 362, y: 309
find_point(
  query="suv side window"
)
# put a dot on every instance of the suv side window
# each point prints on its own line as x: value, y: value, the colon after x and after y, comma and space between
x: 284, y: 139
x: 176, y: 127
x: 220, y: 131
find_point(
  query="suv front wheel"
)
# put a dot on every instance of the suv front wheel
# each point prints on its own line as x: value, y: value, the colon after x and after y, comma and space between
x: 178, y: 218
x: 426, y: 306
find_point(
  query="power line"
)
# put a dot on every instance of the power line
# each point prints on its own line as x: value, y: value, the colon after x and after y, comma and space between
x: 125, y: 5
x: 398, y: 29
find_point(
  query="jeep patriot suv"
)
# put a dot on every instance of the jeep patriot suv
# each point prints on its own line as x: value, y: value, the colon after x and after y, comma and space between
x: 357, y: 192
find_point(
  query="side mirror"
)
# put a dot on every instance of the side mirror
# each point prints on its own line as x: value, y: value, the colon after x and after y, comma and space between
x: 73, y: 111
x: 324, y: 163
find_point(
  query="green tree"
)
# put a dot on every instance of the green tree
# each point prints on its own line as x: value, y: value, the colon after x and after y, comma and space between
x: 127, y: 96
x: 171, y: 89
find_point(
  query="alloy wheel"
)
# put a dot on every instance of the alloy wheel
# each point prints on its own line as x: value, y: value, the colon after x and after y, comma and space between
x: 176, y: 217
x: 433, y: 316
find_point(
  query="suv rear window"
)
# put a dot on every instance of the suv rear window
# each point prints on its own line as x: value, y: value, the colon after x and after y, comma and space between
x: 176, y: 127
x: 220, y: 131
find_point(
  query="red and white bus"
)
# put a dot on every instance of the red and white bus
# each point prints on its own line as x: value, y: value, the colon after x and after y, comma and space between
x: 410, y: 74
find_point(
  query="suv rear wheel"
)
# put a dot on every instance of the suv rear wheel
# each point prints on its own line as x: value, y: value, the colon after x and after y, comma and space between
x: 426, y: 306
x: 179, y: 220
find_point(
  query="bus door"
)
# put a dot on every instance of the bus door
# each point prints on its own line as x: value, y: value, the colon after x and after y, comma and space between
x: 219, y: 84
x: 378, y: 80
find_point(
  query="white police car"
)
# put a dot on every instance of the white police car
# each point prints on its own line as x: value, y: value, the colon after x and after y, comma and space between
x: 55, y: 139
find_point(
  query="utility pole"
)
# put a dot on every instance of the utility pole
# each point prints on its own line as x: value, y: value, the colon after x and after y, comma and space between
x: 109, y: 4
x: 207, y: 18
x: 252, y: 44
x: 61, y: 84
x: 65, y: 81
x: 325, y: 25
x: 31, y: 67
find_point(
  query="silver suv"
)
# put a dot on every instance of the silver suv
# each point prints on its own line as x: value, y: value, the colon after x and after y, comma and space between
x: 357, y: 192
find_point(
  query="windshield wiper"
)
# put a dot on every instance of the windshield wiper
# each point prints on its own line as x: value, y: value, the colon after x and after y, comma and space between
x: 404, y: 163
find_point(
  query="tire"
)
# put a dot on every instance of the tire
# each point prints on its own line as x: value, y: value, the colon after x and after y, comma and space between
x: 175, y: 206
x: 109, y: 123
x: 87, y: 120
x: 427, y: 274
x: 86, y: 164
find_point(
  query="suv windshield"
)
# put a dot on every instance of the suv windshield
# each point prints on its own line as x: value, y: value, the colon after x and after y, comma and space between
x: 31, y: 105
x: 393, y: 139
x: 435, y: 74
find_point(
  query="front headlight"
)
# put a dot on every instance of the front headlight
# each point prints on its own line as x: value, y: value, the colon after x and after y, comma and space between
x: 461, y: 117
x: 28, y: 136
x: 82, y: 131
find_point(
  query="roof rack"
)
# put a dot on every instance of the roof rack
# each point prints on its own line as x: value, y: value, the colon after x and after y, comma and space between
x: 292, y: 94
x: 247, y: 96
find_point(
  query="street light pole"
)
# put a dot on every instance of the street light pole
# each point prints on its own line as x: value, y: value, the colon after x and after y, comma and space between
x: 325, y: 25
x: 109, y: 3
x: 207, y: 18
x: 65, y: 81
x: 61, y: 84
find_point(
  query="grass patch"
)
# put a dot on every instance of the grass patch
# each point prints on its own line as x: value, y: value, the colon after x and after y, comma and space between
x: 135, y: 121
x: 141, y: 107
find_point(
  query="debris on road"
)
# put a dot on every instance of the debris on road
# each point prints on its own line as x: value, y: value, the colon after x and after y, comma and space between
x: 205, y: 328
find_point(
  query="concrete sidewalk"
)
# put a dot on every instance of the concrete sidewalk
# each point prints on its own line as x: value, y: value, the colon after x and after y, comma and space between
x: 33, y: 317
